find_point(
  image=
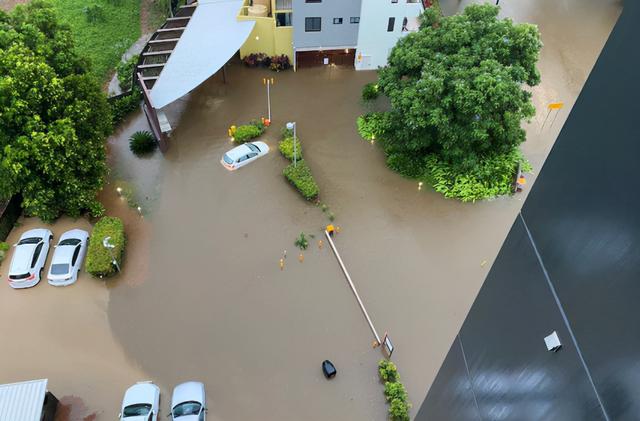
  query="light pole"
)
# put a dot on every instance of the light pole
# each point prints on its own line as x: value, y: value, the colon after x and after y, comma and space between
x: 292, y: 126
x: 110, y: 247
x: 268, y: 81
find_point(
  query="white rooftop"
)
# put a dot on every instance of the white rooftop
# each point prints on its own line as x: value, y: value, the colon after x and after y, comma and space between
x: 212, y: 36
x: 22, y: 401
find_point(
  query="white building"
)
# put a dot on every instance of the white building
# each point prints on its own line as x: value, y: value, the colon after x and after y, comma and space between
x: 382, y: 24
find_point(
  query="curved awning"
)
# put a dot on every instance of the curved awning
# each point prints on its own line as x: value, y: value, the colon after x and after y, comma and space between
x: 212, y: 36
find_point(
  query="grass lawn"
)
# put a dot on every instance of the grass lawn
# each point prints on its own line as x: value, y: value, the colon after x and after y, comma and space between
x: 108, y: 37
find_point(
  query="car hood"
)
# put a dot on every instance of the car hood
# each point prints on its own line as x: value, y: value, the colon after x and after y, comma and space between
x: 74, y: 233
x: 21, y: 261
x: 140, y: 393
x: 189, y: 391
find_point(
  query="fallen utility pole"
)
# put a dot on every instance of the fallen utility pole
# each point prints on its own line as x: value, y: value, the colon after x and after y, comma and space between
x: 353, y: 288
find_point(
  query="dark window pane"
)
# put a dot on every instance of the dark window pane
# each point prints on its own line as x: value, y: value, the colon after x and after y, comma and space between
x: 312, y: 24
x: 391, y: 24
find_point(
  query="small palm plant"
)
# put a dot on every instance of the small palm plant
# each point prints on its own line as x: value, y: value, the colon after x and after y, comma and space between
x: 142, y: 142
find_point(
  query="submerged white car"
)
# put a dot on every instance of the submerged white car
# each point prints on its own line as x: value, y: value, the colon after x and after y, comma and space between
x: 243, y: 154
x: 188, y: 402
x: 29, y: 257
x: 68, y: 257
x: 141, y: 402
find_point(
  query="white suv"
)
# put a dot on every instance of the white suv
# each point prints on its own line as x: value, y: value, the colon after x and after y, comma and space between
x: 29, y: 258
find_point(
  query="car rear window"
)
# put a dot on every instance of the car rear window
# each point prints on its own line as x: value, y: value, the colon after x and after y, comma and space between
x: 59, y: 269
x: 227, y: 159
x: 69, y: 242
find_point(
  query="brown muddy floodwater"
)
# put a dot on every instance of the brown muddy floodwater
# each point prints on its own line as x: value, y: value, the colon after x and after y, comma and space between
x: 203, y: 297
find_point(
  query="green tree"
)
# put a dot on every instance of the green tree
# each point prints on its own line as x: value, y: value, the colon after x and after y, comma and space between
x: 457, y: 90
x: 53, y: 117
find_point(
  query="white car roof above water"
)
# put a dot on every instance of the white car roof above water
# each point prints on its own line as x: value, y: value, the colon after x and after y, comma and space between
x: 238, y: 151
x: 189, y: 391
x: 143, y: 392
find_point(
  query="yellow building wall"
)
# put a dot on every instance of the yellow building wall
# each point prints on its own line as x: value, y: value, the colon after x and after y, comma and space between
x: 266, y: 37
x: 284, y: 41
x: 261, y: 39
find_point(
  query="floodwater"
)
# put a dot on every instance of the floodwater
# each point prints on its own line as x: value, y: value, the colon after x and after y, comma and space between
x: 203, y: 296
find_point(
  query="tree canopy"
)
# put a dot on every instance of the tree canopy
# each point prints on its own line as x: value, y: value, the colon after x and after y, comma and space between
x: 457, y: 89
x: 53, y: 117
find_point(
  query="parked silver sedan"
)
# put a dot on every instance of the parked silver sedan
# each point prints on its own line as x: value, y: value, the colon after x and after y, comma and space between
x: 68, y: 257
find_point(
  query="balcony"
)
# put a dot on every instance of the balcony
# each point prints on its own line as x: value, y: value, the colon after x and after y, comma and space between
x: 284, y: 5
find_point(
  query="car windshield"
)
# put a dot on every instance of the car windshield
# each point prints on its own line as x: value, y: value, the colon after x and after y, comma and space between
x: 186, y: 408
x: 227, y: 159
x: 69, y: 242
x: 30, y: 240
x: 253, y: 147
x: 136, y: 410
x: 59, y: 269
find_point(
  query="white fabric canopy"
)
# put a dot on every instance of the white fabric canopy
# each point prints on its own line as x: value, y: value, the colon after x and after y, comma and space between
x: 211, y: 37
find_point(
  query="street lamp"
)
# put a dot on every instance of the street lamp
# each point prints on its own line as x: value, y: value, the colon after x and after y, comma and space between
x: 268, y: 81
x: 110, y: 247
x: 292, y: 126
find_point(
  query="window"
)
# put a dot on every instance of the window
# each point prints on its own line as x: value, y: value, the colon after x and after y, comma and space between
x: 394, y: 1
x: 283, y: 19
x: 312, y: 24
x: 313, y: 1
x: 75, y: 255
x: 337, y: 21
x: 354, y: 19
x: 405, y: 22
x: 36, y: 254
x: 391, y: 24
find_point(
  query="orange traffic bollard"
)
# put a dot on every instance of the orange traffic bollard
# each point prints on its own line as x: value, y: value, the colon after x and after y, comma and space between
x: 320, y: 244
x: 281, y: 264
x: 301, y: 257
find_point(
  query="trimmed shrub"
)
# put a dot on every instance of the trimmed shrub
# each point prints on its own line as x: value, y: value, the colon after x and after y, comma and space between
x: 247, y: 132
x: 399, y: 410
x: 99, y: 260
x: 286, y: 132
x: 370, y: 92
x: 394, y: 391
x: 300, y: 176
x: 125, y: 72
x: 286, y: 148
x: 280, y: 62
x: 388, y: 371
x: 125, y: 105
x: 490, y: 178
x: 256, y: 60
x: 142, y: 142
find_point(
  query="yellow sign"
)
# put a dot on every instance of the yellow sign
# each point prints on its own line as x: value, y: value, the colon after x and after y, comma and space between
x: 556, y: 105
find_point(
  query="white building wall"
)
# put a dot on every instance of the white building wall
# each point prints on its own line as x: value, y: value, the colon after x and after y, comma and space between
x: 374, y: 42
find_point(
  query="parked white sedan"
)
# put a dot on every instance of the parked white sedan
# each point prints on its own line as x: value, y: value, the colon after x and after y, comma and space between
x: 188, y: 402
x: 67, y: 258
x: 244, y: 154
x: 141, y: 402
x: 29, y: 258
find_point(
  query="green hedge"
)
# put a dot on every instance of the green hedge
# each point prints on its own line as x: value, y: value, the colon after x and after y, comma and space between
x: 99, y: 262
x: 123, y: 106
x: 247, y: 132
x: 286, y: 148
x: 394, y: 391
x: 370, y: 92
x: 300, y: 176
x: 125, y: 72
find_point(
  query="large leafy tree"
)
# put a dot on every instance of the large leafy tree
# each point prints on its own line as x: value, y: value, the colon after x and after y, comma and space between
x: 53, y: 117
x: 457, y: 89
